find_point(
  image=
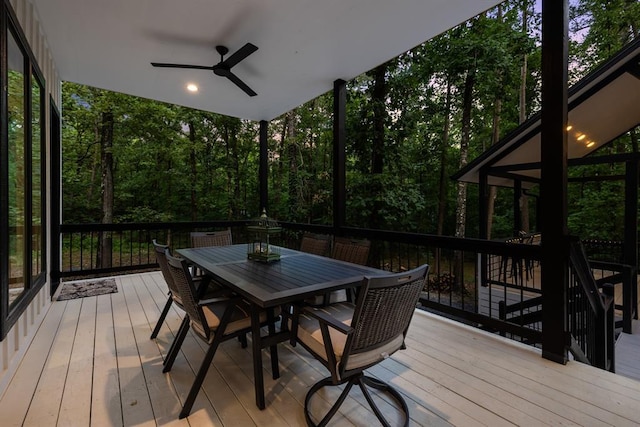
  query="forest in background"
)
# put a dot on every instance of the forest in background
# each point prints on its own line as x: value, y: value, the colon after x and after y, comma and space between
x: 411, y: 123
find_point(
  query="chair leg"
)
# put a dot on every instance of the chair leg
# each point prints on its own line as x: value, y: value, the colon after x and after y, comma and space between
x: 317, y: 386
x: 177, y: 343
x: 208, y: 358
x: 363, y: 382
x: 243, y: 340
x: 163, y: 315
x: 202, y: 373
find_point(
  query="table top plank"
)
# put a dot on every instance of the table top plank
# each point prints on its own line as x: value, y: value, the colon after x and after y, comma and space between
x: 296, y: 276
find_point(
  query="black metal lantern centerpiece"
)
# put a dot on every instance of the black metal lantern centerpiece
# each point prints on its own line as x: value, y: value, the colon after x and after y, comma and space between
x: 262, y: 232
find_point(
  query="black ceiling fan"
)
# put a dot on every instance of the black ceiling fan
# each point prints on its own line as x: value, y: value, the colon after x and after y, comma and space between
x: 222, y: 68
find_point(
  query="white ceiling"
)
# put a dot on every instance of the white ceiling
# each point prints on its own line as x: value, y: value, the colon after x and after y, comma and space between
x: 304, y: 45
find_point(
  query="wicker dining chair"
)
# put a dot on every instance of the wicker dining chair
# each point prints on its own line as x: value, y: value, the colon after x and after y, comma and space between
x: 351, y: 250
x: 212, y: 321
x: 316, y: 244
x: 203, y: 239
x: 200, y: 239
x: 349, y: 338
x: 205, y: 288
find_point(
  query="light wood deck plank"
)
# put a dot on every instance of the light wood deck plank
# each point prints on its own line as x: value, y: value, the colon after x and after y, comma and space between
x: 203, y: 412
x: 75, y: 408
x: 524, y: 364
x: 38, y: 364
x: 105, y: 402
x: 628, y: 353
x: 164, y: 400
x: 489, y: 378
x: 450, y: 374
x: 136, y: 403
x: 45, y: 408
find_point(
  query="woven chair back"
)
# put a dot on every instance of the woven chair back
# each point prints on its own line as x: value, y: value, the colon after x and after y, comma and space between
x: 384, y: 308
x: 161, y: 251
x: 186, y: 289
x: 350, y: 250
x: 214, y: 238
x: 315, y: 244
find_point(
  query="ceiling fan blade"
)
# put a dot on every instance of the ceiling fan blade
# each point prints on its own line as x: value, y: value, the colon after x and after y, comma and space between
x: 165, y: 65
x: 242, y: 85
x: 240, y: 54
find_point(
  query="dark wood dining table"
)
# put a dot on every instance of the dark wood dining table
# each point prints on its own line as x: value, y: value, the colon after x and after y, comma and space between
x: 295, y: 277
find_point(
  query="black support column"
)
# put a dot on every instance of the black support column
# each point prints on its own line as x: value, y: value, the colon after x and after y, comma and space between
x: 483, y: 232
x: 339, y: 156
x: 553, y: 187
x: 631, y: 213
x: 264, y: 164
x: 630, y: 246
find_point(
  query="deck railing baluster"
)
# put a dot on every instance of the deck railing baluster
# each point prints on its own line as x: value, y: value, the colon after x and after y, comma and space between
x: 454, y: 285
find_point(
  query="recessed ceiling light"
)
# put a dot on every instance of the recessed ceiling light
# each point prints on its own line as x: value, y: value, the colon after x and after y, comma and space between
x: 192, y: 87
x: 569, y: 127
x: 581, y: 137
x: 591, y: 144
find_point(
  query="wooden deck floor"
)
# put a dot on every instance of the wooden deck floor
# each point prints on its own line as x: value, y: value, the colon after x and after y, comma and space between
x: 92, y: 363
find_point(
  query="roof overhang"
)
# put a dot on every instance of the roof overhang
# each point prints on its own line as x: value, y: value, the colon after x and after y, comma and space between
x: 602, y: 106
x: 304, y: 45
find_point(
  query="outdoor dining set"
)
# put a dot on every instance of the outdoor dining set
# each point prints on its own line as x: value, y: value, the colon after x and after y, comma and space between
x: 324, y: 297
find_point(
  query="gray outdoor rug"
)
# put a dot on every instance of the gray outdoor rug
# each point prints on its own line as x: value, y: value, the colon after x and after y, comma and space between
x: 74, y: 290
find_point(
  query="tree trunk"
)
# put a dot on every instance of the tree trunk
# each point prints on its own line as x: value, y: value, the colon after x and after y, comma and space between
x: 378, y: 102
x: 492, y: 189
x: 97, y: 154
x: 293, y: 165
x: 444, y: 144
x: 237, y: 193
x: 106, y: 145
x: 278, y: 176
x: 461, y: 199
x: 194, y: 172
x: 229, y: 170
x: 495, y: 136
x: 467, y: 105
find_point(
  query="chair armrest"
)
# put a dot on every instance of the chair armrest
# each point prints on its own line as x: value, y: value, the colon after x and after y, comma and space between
x: 204, y: 302
x: 328, y: 319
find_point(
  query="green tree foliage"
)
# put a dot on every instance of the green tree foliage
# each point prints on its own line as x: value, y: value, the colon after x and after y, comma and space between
x: 170, y: 162
x: 411, y: 123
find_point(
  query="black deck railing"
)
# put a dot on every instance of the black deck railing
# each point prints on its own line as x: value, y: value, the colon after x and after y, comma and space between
x: 591, y: 313
x: 458, y: 284
x: 489, y: 284
x: 83, y: 252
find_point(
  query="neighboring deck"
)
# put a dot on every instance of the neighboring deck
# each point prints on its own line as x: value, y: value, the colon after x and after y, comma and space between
x: 92, y: 363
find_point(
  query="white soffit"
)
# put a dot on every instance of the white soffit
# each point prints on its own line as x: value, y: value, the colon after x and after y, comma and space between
x: 303, y: 45
x: 603, y: 106
x: 602, y: 117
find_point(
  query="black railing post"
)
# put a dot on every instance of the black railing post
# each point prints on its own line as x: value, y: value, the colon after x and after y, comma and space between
x: 553, y: 186
x: 630, y: 244
x: 339, y: 156
x: 483, y: 209
x: 629, y: 280
x: 607, y: 334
